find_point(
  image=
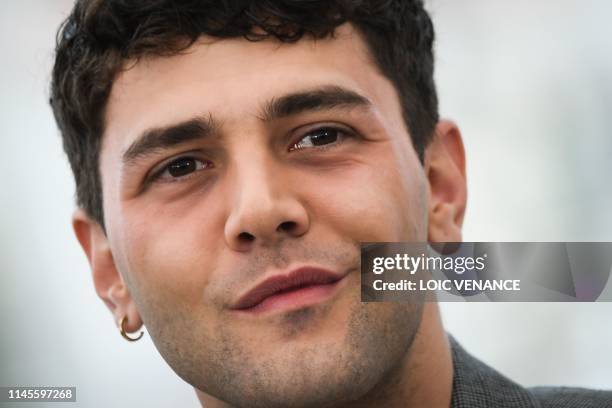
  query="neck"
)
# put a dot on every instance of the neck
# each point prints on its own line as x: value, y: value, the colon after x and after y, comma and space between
x: 424, y: 377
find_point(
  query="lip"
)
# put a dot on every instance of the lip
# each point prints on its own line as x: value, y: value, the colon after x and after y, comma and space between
x: 298, y: 287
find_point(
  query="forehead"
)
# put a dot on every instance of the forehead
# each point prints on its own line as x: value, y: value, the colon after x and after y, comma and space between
x: 231, y: 78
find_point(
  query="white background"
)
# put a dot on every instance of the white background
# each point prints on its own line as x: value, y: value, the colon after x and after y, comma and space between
x: 529, y: 83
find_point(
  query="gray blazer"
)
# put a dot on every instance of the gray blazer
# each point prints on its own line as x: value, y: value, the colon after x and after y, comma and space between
x: 477, y: 385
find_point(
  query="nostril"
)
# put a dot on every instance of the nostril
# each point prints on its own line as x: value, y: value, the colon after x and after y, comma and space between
x: 246, y: 237
x: 287, y: 226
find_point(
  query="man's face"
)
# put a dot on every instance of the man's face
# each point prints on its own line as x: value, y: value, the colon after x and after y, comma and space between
x: 236, y: 162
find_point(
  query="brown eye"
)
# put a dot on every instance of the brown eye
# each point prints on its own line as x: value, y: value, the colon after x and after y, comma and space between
x: 182, y: 167
x: 323, y: 136
x: 320, y: 137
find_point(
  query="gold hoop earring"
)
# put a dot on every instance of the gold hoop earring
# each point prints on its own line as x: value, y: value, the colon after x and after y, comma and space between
x: 124, y: 333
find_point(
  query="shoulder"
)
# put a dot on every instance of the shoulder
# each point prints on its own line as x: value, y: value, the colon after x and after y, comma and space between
x: 475, y: 384
x: 566, y: 397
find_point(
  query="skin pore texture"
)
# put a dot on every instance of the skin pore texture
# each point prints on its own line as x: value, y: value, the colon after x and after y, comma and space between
x: 262, y: 198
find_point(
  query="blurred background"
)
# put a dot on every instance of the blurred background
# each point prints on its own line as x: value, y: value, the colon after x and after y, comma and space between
x: 530, y: 85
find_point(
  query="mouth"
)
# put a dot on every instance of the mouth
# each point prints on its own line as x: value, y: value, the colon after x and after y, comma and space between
x: 298, y: 288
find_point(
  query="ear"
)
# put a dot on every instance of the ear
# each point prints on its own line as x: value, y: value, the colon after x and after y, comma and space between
x: 445, y: 171
x: 108, y: 282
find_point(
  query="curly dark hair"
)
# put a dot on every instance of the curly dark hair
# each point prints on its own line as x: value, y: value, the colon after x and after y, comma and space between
x: 98, y: 37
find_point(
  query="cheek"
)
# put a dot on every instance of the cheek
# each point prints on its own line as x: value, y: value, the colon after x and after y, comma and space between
x: 374, y: 203
x: 169, y: 257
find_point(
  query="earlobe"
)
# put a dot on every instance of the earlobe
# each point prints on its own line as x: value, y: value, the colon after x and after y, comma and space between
x: 108, y: 283
x: 445, y: 172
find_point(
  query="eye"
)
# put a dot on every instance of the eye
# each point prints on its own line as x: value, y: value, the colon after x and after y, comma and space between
x: 321, y: 137
x: 180, y: 168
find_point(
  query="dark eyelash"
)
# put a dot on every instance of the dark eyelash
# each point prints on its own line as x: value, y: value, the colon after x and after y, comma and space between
x: 155, y: 176
x: 349, y: 133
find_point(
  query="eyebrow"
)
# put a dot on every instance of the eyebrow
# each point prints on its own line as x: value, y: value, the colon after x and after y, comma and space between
x: 327, y: 97
x: 160, y: 138
x: 321, y: 98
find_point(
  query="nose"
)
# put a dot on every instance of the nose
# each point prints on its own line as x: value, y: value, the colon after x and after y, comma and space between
x: 266, y: 208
